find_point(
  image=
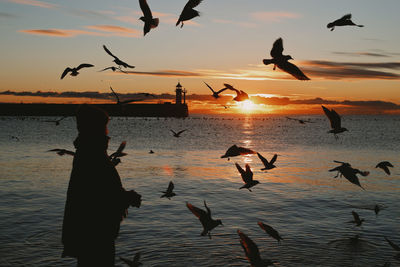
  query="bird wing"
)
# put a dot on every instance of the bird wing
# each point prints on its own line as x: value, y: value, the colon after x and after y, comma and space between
x: 145, y: 9
x: 273, y: 159
x: 196, y: 211
x: 126, y: 261
x: 333, y: 118
x: 393, y: 245
x: 212, y: 90
x: 178, y: 133
x: 208, y: 209
x: 68, y: 69
x: 264, y: 160
x: 173, y: 132
x: 345, y: 17
x: 336, y: 119
x: 356, y: 216
x: 84, y: 65
x: 192, y: 4
x: 249, y: 247
x: 293, y: 70
x: 223, y: 89
x: 249, y: 175
x: 170, y: 187
x: 386, y: 169
x: 240, y: 169
x: 115, y: 94
x: 109, y: 52
x: 227, y: 85
x: 121, y: 147
x: 277, y: 48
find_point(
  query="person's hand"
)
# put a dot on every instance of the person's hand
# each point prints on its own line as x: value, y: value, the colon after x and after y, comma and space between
x: 134, y: 198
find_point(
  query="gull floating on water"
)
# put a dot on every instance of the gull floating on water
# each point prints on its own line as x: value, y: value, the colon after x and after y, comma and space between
x: 215, y: 94
x: 235, y: 150
x: 251, y: 251
x: 335, y: 120
x: 74, y: 71
x: 270, y: 231
x: 282, y: 61
x: 357, y: 219
x: 343, y: 21
x: 177, y: 134
x: 268, y: 165
x: 349, y: 173
x: 117, y: 60
x: 205, y: 218
x: 132, y: 263
x: 384, y: 166
x: 147, y: 18
x: 168, y: 194
x: 247, y: 176
x: 240, y: 95
x: 62, y: 152
x: 188, y: 12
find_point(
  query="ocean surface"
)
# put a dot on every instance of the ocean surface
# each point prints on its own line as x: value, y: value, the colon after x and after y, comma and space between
x: 300, y: 198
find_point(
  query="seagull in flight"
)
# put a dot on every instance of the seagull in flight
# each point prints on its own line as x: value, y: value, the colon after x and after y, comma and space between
x: 349, y: 173
x: 57, y: 122
x: 115, y: 157
x: 188, y: 12
x: 62, y: 152
x: 215, y: 94
x: 168, y: 194
x: 147, y: 18
x: 335, y: 120
x: 357, y: 219
x: 384, y: 165
x: 125, y: 101
x: 343, y: 21
x: 117, y: 60
x: 282, y: 61
x: 177, y: 134
x: 132, y: 263
x: 270, y: 231
x: 205, y: 218
x: 247, y: 176
x: 113, y: 69
x: 267, y: 165
x: 240, y: 95
x: 74, y: 71
x: 251, y: 251
x: 235, y: 150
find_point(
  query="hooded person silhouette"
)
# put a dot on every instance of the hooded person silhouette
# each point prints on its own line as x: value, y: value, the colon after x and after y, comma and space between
x: 96, y: 201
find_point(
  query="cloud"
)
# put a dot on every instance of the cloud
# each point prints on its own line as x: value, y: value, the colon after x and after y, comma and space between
x: 116, y: 30
x: 357, y: 54
x: 100, y: 30
x: 274, y: 16
x: 34, y: 3
x: 60, y: 32
x: 93, y: 14
x: 241, y: 24
x: 167, y: 73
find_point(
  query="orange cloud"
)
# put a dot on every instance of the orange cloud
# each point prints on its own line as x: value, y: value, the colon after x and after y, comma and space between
x: 116, y: 30
x: 34, y: 3
x: 275, y: 16
x: 60, y: 32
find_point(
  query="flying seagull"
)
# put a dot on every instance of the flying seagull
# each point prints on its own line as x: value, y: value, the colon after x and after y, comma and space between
x: 236, y: 151
x: 177, y: 134
x: 343, y: 21
x: 251, y: 251
x: 357, y: 219
x: 384, y: 165
x: 215, y: 94
x: 240, y: 95
x: 335, y: 120
x: 57, y: 122
x: 188, y: 12
x: 247, y: 176
x: 267, y: 165
x: 299, y: 120
x: 125, y: 101
x: 74, y: 71
x: 270, y: 231
x: 147, y: 18
x: 168, y: 194
x: 349, y: 173
x: 113, y: 69
x: 115, y: 157
x: 205, y: 218
x: 132, y: 263
x: 117, y: 60
x: 62, y: 152
x: 282, y: 61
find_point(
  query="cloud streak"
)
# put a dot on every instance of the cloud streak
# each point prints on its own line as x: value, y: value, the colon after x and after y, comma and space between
x: 274, y: 16
x: 34, y: 3
x: 99, y: 30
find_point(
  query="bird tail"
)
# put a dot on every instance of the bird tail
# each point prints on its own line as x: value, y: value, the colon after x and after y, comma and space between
x: 267, y: 61
x: 360, y: 26
x: 154, y: 22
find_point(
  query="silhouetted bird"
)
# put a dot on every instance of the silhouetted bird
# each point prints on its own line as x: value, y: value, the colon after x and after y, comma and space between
x: 247, y: 177
x: 215, y: 94
x: 205, y: 218
x: 57, y: 122
x: 384, y: 165
x: 113, y: 69
x: 268, y: 165
x: 117, y: 60
x: 188, y: 12
x: 236, y: 151
x: 74, y: 71
x: 270, y: 231
x: 393, y: 245
x: 151, y: 152
x: 14, y: 137
x: 251, y: 251
x: 299, y: 120
x: 349, y: 173
x: 282, y: 61
x: 147, y: 18
x: 62, y: 152
x: 119, y: 153
x: 343, y: 21
x: 125, y: 101
x: 357, y: 219
x: 335, y: 120
x: 168, y: 194
x: 177, y: 134
x: 240, y: 95
x: 133, y: 263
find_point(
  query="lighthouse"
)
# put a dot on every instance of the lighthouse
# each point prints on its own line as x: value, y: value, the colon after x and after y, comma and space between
x: 178, y: 94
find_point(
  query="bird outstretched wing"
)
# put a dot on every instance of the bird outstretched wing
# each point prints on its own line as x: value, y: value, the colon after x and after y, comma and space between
x: 195, y: 210
x: 192, y: 4
x: 356, y: 216
x: 293, y: 70
x: 145, y: 9
x: 264, y: 160
x: 333, y: 117
x: 223, y: 89
x: 347, y: 16
x: 68, y: 69
x: 273, y: 159
x: 109, y: 52
x: 240, y: 169
x: 178, y: 133
x: 84, y: 65
x: 115, y: 94
x: 212, y: 90
x: 170, y: 187
x: 277, y: 48
x: 250, y: 248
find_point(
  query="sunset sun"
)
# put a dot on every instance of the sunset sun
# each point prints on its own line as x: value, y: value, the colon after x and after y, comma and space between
x: 247, y: 106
